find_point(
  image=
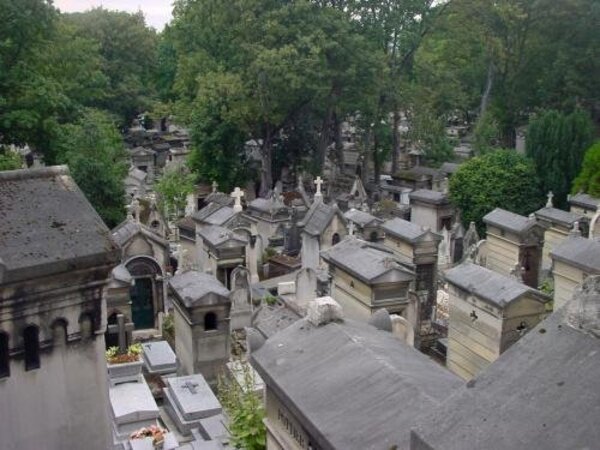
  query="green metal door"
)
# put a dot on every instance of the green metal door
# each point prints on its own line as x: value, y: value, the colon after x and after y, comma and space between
x: 142, y: 305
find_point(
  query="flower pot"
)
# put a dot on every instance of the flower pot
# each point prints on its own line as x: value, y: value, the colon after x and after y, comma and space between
x: 124, y: 372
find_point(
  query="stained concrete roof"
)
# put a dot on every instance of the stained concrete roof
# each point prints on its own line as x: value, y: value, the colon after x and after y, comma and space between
x: 360, y: 217
x: 366, y: 263
x: 192, y: 287
x: 214, y: 214
x: 127, y: 229
x: 559, y: 216
x: 47, y: 225
x: 509, y: 221
x: 220, y: 198
x: 580, y: 252
x: 406, y: 230
x: 585, y: 201
x: 271, y: 319
x: 429, y: 196
x: 266, y: 205
x: 318, y: 217
x: 350, y: 385
x: 449, y: 168
x: 217, y: 236
x: 490, y: 286
x: 542, y: 393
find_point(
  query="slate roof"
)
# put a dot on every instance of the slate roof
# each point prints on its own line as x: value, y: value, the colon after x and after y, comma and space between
x: 220, y: 198
x: 47, y: 225
x: 580, y: 252
x: 366, y: 263
x: 360, y: 217
x: 141, y: 151
x: 542, y: 393
x: 496, y: 289
x: 509, y: 221
x: 406, y: 230
x: 449, y: 168
x: 318, y: 217
x: 127, y: 229
x: 429, y: 196
x: 216, y: 236
x: 350, y: 385
x: 192, y: 286
x: 559, y: 216
x: 266, y: 205
x: 271, y: 319
x: 584, y: 201
x: 214, y: 214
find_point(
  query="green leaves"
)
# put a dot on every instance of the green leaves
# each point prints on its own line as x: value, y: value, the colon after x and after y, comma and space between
x: 502, y: 179
x: 588, y: 180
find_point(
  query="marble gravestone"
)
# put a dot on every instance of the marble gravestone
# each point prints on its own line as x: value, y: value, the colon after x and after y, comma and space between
x: 159, y: 358
x: 241, y: 301
x: 188, y: 400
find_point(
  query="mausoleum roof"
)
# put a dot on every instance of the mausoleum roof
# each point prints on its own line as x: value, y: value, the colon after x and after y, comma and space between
x: 214, y: 214
x: 318, y: 217
x: 47, y: 225
x: 494, y: 288
x: 580, y: 252
x: 559, y: 216
x: 584, y: 201
x: 407, y: 231
x: 350, y: 385
x: 429, y: 196
x: 360, y: 217
x: 509, y: 221
x: 541, y: 393
x: 192, y: 287
x: 449, y: 168
x: 217, y: 236
x: 366, y: 263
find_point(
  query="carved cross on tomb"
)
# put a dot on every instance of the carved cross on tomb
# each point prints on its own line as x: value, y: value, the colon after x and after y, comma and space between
x: 318, y: 182
x: 191, y: 386
x: 215, y: 186
x: 237, y: 194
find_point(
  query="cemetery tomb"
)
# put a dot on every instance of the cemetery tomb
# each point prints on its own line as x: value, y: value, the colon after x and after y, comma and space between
x: 159, y: 358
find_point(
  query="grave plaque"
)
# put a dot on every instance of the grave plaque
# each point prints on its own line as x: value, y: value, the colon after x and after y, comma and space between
x: 159, y: 358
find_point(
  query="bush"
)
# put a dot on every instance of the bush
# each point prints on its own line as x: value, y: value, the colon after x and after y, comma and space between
x: 588, y: 180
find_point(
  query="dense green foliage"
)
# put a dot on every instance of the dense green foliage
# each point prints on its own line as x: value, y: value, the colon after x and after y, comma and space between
x: 588, y: 180
x: 93, y: 149
x: 502, y: 178
x: 173, y: 187
x: 10, y: 161
x: 245, y: 410
x: 556, y: 143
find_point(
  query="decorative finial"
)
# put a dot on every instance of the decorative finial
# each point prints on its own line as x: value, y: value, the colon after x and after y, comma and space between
x: 237, y: 194
x: 215, y: 186
x: 318, y: 182
x: 549, y: 203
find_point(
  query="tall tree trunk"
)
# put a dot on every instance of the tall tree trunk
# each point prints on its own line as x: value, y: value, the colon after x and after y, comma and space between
x: 266, y: 171
x: 376, y: 161
x: 395, y: 140
x: 337, y: 137
x: 485, y: 98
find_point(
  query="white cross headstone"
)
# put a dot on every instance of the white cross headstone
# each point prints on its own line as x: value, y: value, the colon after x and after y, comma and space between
x: 318, y: 182
x: 549, y: 203
x: 215, y: 186
x: 237, y: 194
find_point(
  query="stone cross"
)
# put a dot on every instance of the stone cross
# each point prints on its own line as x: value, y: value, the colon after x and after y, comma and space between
x: 215, y: 186
x: 318, y: 182
x: 549, y: 203
x: 237, y: 194
x: 191, y: 386
x: 121, y: 329
x: 300, y: 183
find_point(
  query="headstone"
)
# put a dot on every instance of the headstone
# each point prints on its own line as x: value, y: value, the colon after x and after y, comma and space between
x: 241, y: 299
x: 188, y: 400
x: 132, y: 407
x: 306, y: 287
x: 549, y: 203
x: 214, y: 186
x: 159, y: 357
x: 286, y: 288
x: 318, y: 182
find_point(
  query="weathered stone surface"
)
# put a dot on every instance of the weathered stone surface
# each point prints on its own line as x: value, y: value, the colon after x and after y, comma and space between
x: 324, y: 310
x: 159, y: 357
x: 583, y: 311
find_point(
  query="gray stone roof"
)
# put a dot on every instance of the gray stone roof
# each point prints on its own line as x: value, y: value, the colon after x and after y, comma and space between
x: 47, y: 225
x: 266, y: 205
x: 361, y: 218
x: 429, y: 196
x: 192, y: 287
x: 350, y: 385
x: 580, y: 252
x: 141, y: 151
x: 366, y: 263
x: 490, y: 286
x: 509, y: 221
x: 127, y: 229
x: 541, y: 393
x: 559, y: 216
x: 406, y: 230
x: 217, y: 236
x: 220, y: 198
x: 449, y: 168
x: 584, y: 201
x: 214, y: 214
x: 271, y: 319
x: 318, y: 217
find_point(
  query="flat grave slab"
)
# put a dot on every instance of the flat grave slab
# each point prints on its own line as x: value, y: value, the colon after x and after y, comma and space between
x: 159, y: 357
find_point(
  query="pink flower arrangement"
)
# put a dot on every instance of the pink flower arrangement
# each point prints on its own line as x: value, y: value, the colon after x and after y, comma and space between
x: 154, y: 431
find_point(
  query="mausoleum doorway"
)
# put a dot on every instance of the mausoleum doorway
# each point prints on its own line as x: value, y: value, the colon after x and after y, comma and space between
x: 146, y: 291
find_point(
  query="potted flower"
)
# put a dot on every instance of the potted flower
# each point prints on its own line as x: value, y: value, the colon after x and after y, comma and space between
x: 154, y: 432
x: 126, y: 366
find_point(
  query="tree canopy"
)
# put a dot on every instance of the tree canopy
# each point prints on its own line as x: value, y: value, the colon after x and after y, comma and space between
x: 500, y: 179
x: 588, y: 180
